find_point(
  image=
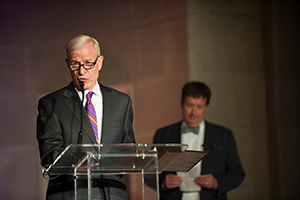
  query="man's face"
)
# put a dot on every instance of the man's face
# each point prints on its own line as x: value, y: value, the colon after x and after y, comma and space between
x: 193, y: 110
x: 85, y: 53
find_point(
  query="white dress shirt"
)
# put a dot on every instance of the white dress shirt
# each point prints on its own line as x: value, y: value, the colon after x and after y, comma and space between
x: 97, y: 101
x: 195, y: 142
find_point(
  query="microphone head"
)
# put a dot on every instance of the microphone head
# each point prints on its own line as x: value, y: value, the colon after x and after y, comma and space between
x: 81, y: 84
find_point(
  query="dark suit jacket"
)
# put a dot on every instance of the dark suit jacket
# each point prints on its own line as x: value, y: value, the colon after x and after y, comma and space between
x: 222, y: 160
x: 59, y: 121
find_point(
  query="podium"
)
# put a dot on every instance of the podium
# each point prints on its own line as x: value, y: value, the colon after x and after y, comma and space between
x: 87, y: 162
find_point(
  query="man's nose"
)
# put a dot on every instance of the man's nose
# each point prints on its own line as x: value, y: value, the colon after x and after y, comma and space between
x: 193, y: 111
x: 81, y: 69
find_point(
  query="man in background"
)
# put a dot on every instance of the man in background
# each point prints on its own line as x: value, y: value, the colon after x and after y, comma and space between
x: 220, y: 171
x: 103, y: 116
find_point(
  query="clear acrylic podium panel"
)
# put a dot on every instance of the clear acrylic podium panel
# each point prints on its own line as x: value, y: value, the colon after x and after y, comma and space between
x: 88, y: 161
x: 112, y: 158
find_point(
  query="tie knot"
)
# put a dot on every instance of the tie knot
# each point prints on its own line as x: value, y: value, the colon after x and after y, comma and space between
x: 188, y: 129
x: 89, y: 95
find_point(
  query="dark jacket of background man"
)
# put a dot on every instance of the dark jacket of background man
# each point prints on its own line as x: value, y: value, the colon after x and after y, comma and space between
x: 221, y: 169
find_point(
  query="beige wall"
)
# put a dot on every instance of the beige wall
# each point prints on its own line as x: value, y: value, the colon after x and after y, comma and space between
x: 244, y: 50
x: 225, y: 51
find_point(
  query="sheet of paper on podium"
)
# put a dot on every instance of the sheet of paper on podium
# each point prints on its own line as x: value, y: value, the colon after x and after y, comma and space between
x: 180, y: 161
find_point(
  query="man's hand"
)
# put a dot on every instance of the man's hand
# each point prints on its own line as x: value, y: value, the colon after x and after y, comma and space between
x: 207, y: 181
x: 172, y: 181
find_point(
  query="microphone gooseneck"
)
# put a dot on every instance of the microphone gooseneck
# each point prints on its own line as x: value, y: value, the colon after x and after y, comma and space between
x: 80, y: 135
x: 81, y: 84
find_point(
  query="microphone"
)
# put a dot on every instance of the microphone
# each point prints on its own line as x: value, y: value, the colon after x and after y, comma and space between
x: 81, y: 84
x: 80, y: 135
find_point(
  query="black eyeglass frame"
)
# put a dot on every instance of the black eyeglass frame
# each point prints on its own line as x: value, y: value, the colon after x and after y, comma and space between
x: 94, y: 64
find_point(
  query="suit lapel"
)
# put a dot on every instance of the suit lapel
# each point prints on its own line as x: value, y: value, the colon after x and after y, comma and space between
x: 208, y: 137
x: 207, y: 165
x: 108, y: 103
x: 72, y: 102
x: 177, y: 138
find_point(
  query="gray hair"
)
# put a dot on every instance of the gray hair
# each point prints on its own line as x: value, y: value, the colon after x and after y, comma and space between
x: 80, y: 40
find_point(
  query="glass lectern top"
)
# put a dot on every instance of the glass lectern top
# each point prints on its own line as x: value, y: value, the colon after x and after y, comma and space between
x: 96, y: 159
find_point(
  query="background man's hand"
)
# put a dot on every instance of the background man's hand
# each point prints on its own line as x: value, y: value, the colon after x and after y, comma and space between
x: 172, y: 181
x: 207, y: 181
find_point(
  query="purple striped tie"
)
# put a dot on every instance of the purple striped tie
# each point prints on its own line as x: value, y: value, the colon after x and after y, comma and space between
x: 90, y: 109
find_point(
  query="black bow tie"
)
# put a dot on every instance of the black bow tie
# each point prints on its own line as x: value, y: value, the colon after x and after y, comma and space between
x: 187, y: 129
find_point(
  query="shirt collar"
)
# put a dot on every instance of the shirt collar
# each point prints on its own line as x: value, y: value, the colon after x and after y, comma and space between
x: 200, y: 125
x: 96, y: 91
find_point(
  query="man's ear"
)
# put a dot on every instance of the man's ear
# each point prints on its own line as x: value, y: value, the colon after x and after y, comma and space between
x: 100, y: 62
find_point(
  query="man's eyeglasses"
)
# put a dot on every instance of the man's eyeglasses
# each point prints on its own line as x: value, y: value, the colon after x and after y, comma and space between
x: 76, y: 65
